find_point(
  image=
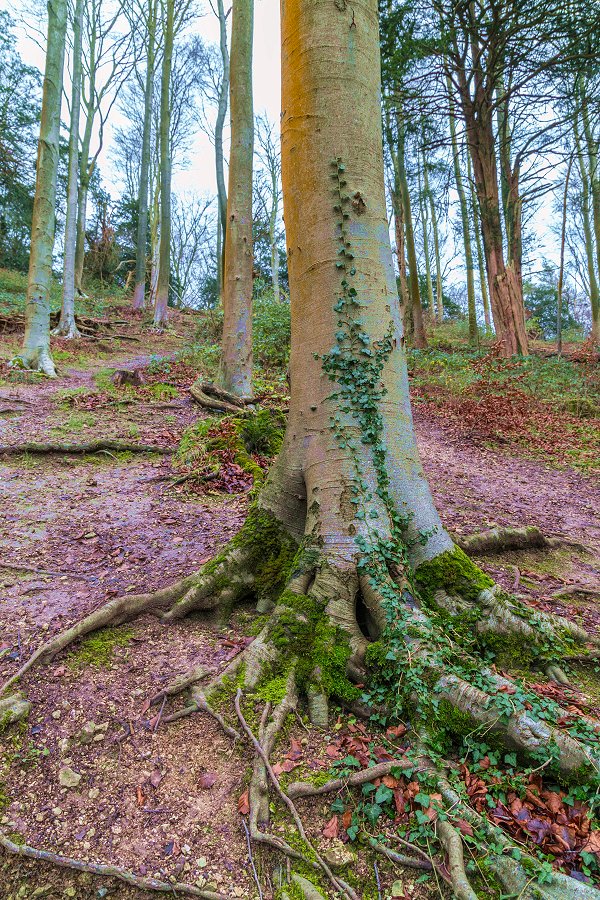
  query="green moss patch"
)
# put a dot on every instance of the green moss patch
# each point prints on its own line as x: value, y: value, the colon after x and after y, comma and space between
x: 452, y: 572
x: 98, y: 649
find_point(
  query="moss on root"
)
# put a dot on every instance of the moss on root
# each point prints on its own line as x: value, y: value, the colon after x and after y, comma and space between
x: 452, y: 572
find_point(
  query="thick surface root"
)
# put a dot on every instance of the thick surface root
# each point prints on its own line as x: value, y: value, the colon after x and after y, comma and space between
x: 86, y: 447
x: 500, y: 540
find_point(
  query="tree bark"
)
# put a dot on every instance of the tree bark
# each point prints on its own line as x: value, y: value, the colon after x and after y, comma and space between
x: 86, y: 167
x: 594, y: 180
x: 423, y: 204
x: 36, y: 346
x: 464, y: 218
x: 139, y: 291
x: 504, y: 283
x: 485, y: 298
x: 164, y: 267
x: 587, y: 233
x: 219, y: 155
x: 419, y: 338
x: 439, y: 297
x: 236, y: 362
x: 67, y: 327
x: 398, y: 210
x: 331, y: 126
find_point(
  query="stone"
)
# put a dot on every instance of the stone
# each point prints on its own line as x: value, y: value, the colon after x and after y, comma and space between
x: 338, y: 855
x: 12, y: 709
x: 68, y: 778
x: 94, y: 793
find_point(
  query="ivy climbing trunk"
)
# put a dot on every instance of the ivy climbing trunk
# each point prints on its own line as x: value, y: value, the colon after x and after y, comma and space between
x: 164, y: 266
x: 36, y: 345
x: 236, y: 360
x: 139, y: 291
x: 67, y: 327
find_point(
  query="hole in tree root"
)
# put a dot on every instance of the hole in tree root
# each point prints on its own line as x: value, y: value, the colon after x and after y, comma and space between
x: 364, y: 619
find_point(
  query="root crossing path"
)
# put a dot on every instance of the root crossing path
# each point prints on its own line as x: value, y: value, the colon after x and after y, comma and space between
x: 95, y: 774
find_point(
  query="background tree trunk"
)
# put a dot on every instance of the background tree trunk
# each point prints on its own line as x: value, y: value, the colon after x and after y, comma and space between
x: 139, y: 291
x: 419, y: 338
x: 464, y: 218
x: 219, y: 155
x: 587, y: 233
x: 36, y: 345
x: 236, y: 362
x: 485, y: 299
x: 164, y: 267
x: 66, y: 326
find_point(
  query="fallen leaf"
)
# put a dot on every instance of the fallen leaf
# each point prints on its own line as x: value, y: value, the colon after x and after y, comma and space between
x: 156, y: 778
x: 331, y: 829
x: 244, y: 804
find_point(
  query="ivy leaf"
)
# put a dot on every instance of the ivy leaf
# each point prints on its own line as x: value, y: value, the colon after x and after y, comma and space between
x: 384, y: 794
x: 372, y: 812
x: 422, y: 799
x: 352, y: 832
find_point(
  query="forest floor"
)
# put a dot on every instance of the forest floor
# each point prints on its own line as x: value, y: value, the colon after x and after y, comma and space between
x: 162, y: 800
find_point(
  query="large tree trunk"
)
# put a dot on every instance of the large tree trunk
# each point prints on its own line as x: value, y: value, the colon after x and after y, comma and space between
x: 236, y: 362
x: 139, y: 292
x: 36, y: 346
x: 588, y: 236
x: 66, y: 326
x: 464, y: 218
x: 164, y: 267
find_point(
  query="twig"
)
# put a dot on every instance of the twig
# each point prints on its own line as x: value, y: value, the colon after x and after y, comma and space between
x: 307, y: 789
x: 377, y: 879
x: 401, y: 858
x: 20, y: 568
x: 148, y: 884
x: 344, y: 888
x: 159, y: 716
x: 251, y: 858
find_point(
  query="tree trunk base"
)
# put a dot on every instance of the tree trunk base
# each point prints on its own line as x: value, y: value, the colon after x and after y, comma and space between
x: 332, y: 624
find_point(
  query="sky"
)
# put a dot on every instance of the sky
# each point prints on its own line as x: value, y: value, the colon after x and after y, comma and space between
x: 199, y: 176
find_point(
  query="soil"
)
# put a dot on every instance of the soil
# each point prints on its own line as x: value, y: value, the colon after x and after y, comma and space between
x: 75, y: 531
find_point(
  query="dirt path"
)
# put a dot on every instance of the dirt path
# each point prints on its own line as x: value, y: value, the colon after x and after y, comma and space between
x: 105, y: 525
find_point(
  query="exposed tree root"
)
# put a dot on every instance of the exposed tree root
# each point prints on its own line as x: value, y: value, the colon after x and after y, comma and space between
x: 218, y: 404
x: 499, y: 540
x: 147, y: 884
x: 401, y: 859
x: 37, y: 360
x: 88, y: 447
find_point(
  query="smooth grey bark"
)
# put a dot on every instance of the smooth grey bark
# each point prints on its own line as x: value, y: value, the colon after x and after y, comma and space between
x: 142, y: 230
x: 164, y: 267
x: 219, y: 154
x: 36, y: 345
x: 67, y: 326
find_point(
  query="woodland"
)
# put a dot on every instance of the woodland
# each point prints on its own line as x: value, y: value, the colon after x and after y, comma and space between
x: 300, y: 510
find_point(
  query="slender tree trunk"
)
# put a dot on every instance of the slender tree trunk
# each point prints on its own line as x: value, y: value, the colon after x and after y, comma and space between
x: 236, y: 361
x: 419, y: 338
x: 425, y: 225
x: 154, y: 244
x: 485, y: 299
x: 398, y: 210
x: 439, y: 296
x: 594, y: 176
x: 464, y: 218
x: 86, y: 168
x: 506, y: 291
x: 139, y: 292
x: 561, y: 271
x: 588, y: 236
x: 273, y: 237
x: 67, y: 327
x: 164, y: 268
x: 36, y: 345
x: 219, y: 125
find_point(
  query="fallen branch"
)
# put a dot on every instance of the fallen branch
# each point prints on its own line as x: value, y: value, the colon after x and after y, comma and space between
x: 15, y: 567
x: 147, y: 884
x: 307, y: 789
x: 401, y: 859
x: 89, y: 447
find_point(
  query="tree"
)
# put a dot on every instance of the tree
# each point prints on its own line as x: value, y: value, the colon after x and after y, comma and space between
x: 67, y: 327
x: 236, y: 361
x: 268, y: 193
x: 36, y: 345
x: 192, y: 232
x: 164, y: 268
x: 139, y: 290
x: 344, y: 546
x: 20, y: 90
